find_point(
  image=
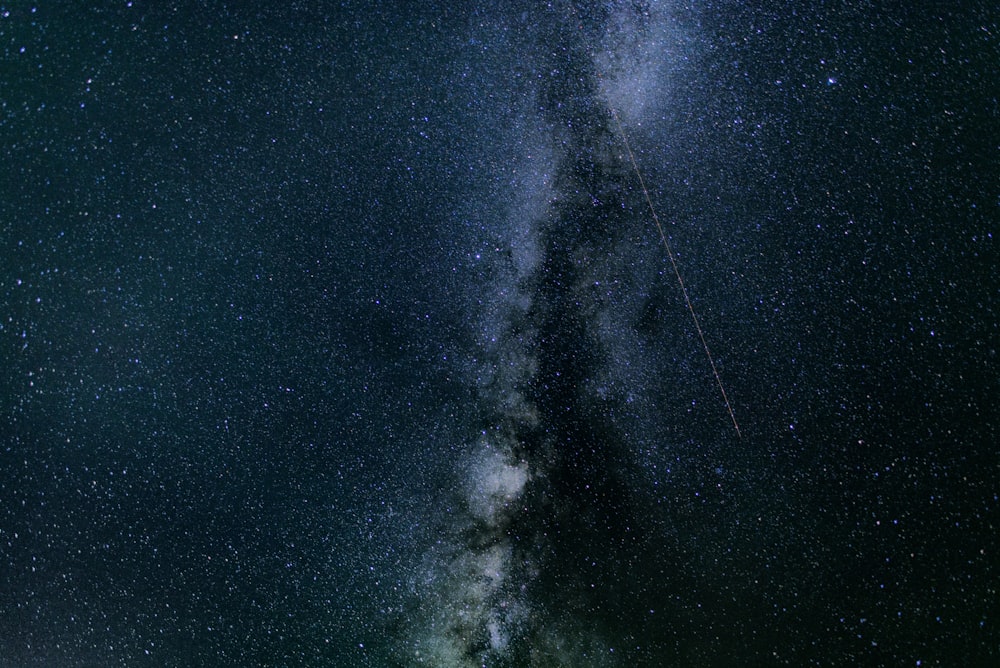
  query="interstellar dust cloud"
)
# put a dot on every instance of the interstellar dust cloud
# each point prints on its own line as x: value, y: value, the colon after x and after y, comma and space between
x: 537, y: 565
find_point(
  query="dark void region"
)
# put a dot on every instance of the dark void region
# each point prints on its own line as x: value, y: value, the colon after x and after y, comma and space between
x: 598, y: 558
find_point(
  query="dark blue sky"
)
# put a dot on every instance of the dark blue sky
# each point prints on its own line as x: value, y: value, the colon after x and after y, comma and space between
x: 342, y: 335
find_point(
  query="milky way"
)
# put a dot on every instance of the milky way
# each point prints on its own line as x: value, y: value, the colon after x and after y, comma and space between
x: 346, y: 336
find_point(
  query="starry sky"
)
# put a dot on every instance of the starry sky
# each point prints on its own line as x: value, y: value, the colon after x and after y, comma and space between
x: 343, y: 334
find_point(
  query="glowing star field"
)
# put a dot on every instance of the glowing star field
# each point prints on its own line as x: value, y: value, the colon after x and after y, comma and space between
x: 499, y: 334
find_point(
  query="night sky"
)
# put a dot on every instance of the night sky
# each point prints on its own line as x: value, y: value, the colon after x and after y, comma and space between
x: 342, y: 334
